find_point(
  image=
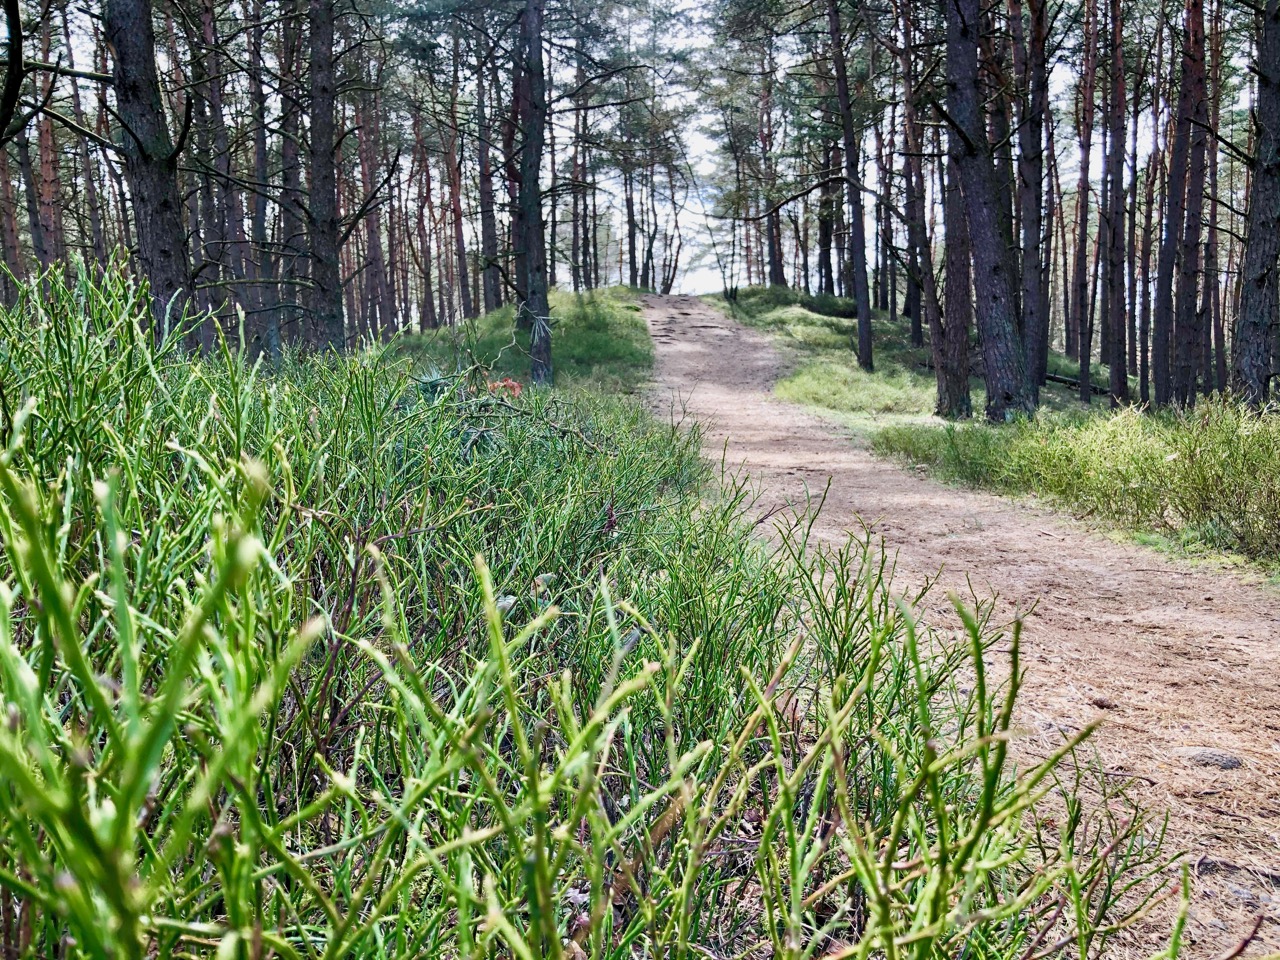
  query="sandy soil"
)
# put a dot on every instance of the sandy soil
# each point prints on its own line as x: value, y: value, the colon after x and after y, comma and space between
x: 1179, y: 659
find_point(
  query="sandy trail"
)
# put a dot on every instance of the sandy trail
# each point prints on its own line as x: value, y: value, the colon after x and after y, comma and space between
x: 1178, y: 659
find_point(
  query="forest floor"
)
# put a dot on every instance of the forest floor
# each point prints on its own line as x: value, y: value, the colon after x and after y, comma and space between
x: 1182, y: 660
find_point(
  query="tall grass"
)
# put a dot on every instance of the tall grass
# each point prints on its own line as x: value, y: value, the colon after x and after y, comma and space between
x: 1203, y: 477
x: 332, y: 661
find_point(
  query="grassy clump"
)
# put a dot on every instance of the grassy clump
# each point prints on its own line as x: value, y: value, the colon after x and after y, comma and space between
x: 261, y: 696
x: 1204, y: 477
x: 598, y: 339
x: 822, y: 331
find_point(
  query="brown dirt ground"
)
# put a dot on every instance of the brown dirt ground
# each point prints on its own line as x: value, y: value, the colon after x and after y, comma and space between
x: 1176, y: 657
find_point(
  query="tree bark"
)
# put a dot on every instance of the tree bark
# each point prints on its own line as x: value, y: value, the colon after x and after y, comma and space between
x: 857, y: 243
x: 990, y: 234
x: 1116, y: 328
x: 1258, y: 316
x: 1080, y: 298
x: 322, y: 212
x: 533, y: 117
x: 1174, y: 222
x: 491, y: 278
x: 1030, y: 192
x: 1187, y: 322
x: 151, y: 159
x: 953, y: 386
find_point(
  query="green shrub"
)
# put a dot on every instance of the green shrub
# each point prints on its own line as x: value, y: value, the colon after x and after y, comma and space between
x: 1206, y: 476
x: 261, y: 696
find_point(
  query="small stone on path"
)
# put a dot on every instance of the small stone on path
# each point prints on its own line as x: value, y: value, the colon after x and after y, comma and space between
x: 1209, y: 757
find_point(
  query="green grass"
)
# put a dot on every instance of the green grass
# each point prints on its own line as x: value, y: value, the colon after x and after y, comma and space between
x: 820, y: 332
x: 1199, y: 480
x: 334, y: 660
x: 1199, y: 483
x: 598, y: 340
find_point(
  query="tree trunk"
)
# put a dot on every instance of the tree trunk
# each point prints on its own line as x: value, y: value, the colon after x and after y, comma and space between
x: 1258, y: 316
x: 1174, y: 222
x: 16, y: 270
x: 857, y: 243
x: 1116, y: 351
x: 827, y: 199
x: 293, y: 265
x: 989, y: 233
x: 50, y: 188
x: 1144, y: 313
x: 956, y: 403
x: 1080, y: 298
x: 261, y: 263
x: 490, y: 275
x: 533, y: 118
x: 1187, y: 321
x: 31, y: 194
x: 454, y: 160
x: 1030, y: 191
x: 322, y: 213
x: 151, y: 159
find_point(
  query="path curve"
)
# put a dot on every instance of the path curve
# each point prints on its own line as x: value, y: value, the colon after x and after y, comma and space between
x: 1179, y: 659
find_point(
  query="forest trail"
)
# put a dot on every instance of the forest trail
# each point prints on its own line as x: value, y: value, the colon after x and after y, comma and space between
x: 1183, y: 662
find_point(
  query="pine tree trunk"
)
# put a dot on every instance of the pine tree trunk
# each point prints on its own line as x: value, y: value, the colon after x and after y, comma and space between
x: 151, y: 160
x: 91, y: 197
x: 827, y: 199
x: 31, y: 194
x: 1174, y: 221
x: 293, y: 265
x: 490, y: 274
x: 261, y: 263
x: 1258, y: 316
x: 956, y: 404
x: 1080, y: 298
x: 1187, y: 322
x: 1116, y: 326
x: 857, y: 243
x: 990, y: 234
x: 454, y: 160
x: 326, y: 270
x: 1035, y: 102
x: 533, y: 118
x: 16, y: 269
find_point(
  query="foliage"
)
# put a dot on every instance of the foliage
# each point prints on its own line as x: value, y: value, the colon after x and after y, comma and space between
x: 1205, y: 476
x: 263, y: 696
x: 821, y: 329
x: 598, y: 339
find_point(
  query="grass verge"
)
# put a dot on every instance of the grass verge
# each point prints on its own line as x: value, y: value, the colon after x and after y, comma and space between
x: 336, y: 661
x: 820, y: 331
x: 1195, y: 483
x: 1204, y: 479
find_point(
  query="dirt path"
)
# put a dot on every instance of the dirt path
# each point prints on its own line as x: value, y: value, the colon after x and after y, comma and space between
x: 1183, y: 662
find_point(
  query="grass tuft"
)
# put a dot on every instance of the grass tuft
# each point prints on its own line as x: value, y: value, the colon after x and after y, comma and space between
x: 1203, y: 479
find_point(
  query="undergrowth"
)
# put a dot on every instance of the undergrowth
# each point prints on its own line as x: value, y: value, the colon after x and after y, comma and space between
x: 598, y: 340
x: 335, y: 661
x: 821, y: 331
x: 1203, y: 477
